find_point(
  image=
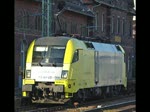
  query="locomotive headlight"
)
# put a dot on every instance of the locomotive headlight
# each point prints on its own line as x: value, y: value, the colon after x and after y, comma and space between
x: 64, y: 74
x: 28, y: 74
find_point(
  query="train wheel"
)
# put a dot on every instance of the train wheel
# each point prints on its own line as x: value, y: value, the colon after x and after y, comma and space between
x: 79, y: 94
x: 84, y: 95
x: 113, y: 91
x: 98, y: 91
x: 119, y: 88
x: 103, y: 92
x: 108, y: 91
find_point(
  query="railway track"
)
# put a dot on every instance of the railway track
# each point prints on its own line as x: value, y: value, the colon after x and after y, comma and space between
x: 126, y: 106
x: 100, y: 103
x: 84, y: 106
x: 39, y: 109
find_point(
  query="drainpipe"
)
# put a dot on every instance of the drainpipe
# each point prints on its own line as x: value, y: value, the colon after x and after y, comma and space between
x: 22, y: 60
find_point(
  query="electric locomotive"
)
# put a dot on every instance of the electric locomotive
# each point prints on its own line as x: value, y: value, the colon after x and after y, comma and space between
x: 60, y: 68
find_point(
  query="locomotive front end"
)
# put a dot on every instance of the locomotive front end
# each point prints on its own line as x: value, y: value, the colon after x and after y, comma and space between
x: 44, y: 65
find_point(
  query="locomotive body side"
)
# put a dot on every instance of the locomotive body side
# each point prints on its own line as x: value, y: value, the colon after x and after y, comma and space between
x: 109, y: 65
x: 79, y: 66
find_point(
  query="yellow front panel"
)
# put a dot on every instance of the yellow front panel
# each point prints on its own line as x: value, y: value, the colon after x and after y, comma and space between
x: 69, y: 52
x: 28, y: 81
x: 30, y: 52
x: 66, y: 66
x: 24, y: 94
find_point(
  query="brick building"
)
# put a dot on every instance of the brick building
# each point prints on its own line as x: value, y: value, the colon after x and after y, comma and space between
x: 114, y: 21
x: 105, y: 19
x: 26, y: 29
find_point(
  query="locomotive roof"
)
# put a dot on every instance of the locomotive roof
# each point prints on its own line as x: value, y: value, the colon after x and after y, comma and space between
x: 62, y: 41
x: 104, y: 47
x: 58, y: 40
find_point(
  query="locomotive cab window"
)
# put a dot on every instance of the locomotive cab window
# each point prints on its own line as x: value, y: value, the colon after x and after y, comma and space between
x: 39, y: 53
x: 56, y: 54
x: 48, y: 55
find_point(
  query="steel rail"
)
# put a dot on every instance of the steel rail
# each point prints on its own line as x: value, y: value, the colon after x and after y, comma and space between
x: 100, y: 108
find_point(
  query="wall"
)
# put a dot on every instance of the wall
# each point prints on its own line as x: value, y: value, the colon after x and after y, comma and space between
x: 22, y: 8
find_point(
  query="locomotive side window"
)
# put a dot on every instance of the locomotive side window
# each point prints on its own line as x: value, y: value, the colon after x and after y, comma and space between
x: 89, y: 45
x: 118, y: 48
x: 76, y: 56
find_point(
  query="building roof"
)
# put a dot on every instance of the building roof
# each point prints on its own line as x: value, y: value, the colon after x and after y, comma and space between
x: 87, y: 1
x: 126, y: 5
x: 78, y: 8
x: 75, y: 6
